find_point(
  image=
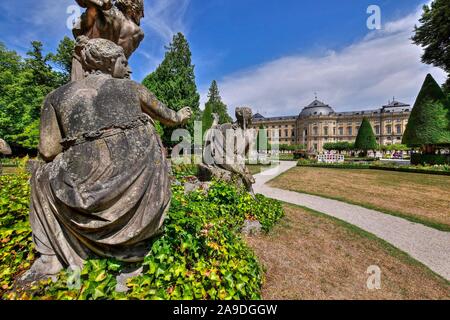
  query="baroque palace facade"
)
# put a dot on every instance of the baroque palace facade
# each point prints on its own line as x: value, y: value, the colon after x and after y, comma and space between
x: 318, y: 124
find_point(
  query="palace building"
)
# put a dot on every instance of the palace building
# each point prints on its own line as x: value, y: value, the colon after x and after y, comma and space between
x: 318, y: 123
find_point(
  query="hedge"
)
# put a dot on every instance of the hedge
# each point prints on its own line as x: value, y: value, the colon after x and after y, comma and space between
x: 430, y: 159
x: 374, y: 167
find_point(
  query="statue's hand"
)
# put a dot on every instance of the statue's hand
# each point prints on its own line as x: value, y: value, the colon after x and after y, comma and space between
x: 184, y: 115
x: 101, y: 4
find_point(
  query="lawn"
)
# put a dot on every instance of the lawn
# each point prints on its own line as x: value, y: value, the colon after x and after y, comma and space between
x: 420, y: 198
x: 257, y: 168
x: 312, y: 256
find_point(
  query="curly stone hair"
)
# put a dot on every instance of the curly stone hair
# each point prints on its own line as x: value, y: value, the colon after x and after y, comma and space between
x: 136, y: 6
x: 98, y: 55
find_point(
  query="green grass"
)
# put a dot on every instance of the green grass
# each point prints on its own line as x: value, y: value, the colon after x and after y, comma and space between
x: 390, y: 249
x: 423, y: 221
x: 427, y: 222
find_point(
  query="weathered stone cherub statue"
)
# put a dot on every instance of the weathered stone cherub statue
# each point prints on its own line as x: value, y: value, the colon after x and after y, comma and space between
x: 226, y: 148
x: 104, y: 189
x: 4, y: 148
x: 118, y: 22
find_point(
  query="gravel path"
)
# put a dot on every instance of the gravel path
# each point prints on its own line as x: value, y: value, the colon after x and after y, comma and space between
x: 427, y: 245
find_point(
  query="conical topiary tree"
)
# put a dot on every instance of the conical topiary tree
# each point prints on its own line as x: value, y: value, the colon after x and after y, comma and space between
x: 262, y: 141
x: 207, y: 118
x: 428, y: 126
x: 366, y: 139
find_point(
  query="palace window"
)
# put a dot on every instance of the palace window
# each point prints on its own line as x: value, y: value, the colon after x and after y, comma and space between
x: 325, y: 131
x: 341, y: 131
x: 316, y: 131
x: 377, y: 129
x: 398, y: 129
x: 350, y: 131
x: 286, y: 133
x: 389, y: 129
x: 334, y: 131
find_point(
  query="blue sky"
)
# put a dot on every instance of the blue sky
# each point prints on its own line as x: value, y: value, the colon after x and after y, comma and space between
x: 271, y: 55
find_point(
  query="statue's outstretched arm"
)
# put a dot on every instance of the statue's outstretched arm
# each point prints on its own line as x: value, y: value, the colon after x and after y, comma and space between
x: 50, y: 134
x: 94, y: 8
x: 102, y: 4
x: 159, y: 111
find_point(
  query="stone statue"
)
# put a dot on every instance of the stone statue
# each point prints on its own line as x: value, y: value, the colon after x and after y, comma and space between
x: 215, y: 162
x: 104, y: 188
x: 4, y: 148
x: 118, y: 22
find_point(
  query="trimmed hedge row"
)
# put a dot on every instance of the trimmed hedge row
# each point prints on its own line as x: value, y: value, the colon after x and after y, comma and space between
x: 430, y: 159
x: 374, y: 167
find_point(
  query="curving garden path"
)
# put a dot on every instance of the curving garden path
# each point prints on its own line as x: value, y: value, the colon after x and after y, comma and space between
x: 427, y: 245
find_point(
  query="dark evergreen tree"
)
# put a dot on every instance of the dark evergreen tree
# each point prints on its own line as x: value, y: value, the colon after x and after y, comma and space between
x: 173, y: 82
x: 217, y: 106
x: 262, y: 139
x: 207, y: 118
x: 23, y: 87
x: 366, y: 139
x: 428, y: 125
x: 434, y: 35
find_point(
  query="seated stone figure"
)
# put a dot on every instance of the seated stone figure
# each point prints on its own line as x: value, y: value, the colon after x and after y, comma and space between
x: 224, y: 158
x: 104, y: 189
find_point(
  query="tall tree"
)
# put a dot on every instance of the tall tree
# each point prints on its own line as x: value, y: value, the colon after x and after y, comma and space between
x: 216, y: 104
x: 173, y: 82
x: 434, y: 35
x: 23, y: 86
x: 63, y: 58
x: 428, y: 125
x: 262, y: 141
x: 207, y: 118
x: 366, y: 139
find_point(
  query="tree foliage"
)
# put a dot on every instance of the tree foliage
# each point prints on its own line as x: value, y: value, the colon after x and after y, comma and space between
x: 434, y: 35
x: 366, y: 139
x: 24, y: 83
x: 173, y: 82
x: 262, y: 140
x: 207, y: 118
x: 339, y: 146
x: 429, y: 124
x: 63, y: 58
x: 217, y: 106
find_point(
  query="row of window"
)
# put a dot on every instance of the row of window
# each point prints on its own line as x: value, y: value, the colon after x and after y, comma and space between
x: 349, y: 131
x: 326, y: 131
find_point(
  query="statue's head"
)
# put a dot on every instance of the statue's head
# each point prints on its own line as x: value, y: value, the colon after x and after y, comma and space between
x: 103, y: 56
x: 134, y: 9
x: 244, y: 115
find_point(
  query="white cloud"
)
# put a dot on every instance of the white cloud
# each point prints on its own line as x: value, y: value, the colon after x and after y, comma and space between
x: 166, y: 17
x: 364, y: 75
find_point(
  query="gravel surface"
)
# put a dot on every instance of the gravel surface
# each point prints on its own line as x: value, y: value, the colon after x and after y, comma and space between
x: 427, y: 245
